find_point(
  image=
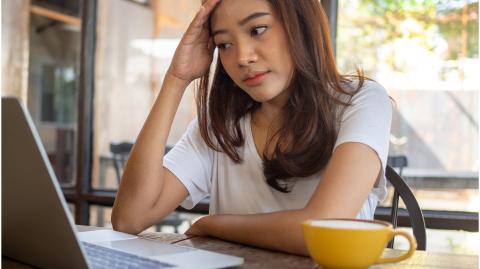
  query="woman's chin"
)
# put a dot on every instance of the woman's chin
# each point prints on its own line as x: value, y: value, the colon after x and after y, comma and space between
x: 264, y: 96
x: 259, y: 95
x: 261, y: 99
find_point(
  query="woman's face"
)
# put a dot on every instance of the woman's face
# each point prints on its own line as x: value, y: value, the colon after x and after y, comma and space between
x: 253, y: 48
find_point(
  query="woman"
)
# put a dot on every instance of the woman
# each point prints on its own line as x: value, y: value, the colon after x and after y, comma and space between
x: 281, y: 136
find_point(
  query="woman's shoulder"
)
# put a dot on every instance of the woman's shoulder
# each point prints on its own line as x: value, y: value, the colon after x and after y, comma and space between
x: 369, y: 88
x: 370, y: 92
x: 372, y: 87
x: 194, y: 130
x: 192, y: 127
x: 371, y: 98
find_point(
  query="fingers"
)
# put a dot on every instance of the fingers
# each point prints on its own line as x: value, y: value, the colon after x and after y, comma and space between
x: 210, y: 4
x: 211, y: 45
x: 203, y: 14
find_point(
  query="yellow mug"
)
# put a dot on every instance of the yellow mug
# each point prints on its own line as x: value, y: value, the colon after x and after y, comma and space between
x: 351, y: 243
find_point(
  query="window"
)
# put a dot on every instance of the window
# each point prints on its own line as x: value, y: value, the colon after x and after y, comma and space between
x: 54, y: 61
x: 132, y: 57
x: 57, y: 98
x: 425, y: 53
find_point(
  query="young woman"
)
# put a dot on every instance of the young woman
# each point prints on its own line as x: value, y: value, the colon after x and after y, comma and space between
x: 281, y: 136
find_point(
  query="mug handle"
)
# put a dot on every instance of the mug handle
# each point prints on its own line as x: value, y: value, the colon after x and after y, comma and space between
x: 413, y: 246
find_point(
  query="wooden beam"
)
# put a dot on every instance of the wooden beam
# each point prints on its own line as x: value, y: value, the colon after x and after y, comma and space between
x: 55, y: 15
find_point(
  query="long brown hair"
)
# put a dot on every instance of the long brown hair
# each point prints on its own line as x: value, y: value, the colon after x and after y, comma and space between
x: 304, y: 143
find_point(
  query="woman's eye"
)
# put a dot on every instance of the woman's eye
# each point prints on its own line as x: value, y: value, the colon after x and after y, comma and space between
x: 223, y: 46
x: 258, y: 30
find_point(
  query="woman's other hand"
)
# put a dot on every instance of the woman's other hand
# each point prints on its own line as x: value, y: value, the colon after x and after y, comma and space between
x: 198, y: 227
x: 194, y: 54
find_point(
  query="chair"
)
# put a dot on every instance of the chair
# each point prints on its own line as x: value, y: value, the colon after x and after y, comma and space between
x: 120, y: 153
x: 402, y: 190
x: 399, y: 162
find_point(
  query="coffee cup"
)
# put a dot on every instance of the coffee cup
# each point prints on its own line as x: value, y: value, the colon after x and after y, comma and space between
x: 352, y: 243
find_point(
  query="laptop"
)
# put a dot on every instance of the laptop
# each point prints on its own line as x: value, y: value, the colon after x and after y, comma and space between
x: 37, y: 228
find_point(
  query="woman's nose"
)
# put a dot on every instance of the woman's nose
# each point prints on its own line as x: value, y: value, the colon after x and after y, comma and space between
x: 246, y: 55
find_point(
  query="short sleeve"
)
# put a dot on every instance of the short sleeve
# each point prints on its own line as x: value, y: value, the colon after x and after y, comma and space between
x: 368, y: 121
x: 190, y: 160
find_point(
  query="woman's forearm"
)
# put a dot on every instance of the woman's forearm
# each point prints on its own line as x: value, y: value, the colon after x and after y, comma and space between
x: 142, y: 180
x: 277, y: 231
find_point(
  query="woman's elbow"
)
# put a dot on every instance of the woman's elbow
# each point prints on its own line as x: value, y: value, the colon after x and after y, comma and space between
x: 122, y: 223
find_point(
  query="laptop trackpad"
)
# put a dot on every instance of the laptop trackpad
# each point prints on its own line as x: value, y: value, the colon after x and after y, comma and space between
x: 144, y: 247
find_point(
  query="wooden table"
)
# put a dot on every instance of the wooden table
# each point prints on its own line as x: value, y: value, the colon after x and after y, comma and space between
x: 265, y: 259
x: 260, y: 258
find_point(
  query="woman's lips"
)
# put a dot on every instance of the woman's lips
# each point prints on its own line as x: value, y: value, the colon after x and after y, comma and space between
x: 256, y: 80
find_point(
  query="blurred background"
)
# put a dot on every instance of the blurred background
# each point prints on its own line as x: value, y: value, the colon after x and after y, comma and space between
x: 89, y: 72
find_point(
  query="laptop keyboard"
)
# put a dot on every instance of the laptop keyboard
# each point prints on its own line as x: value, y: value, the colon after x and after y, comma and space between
x: 102, y: 257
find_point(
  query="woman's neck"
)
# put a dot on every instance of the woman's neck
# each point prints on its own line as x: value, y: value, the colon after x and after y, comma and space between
x: 265, y: 121
x: 267, y: 116
x: 270, y: 113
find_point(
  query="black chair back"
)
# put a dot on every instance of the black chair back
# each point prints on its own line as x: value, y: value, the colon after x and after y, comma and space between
x: 120, y: 153
x: 417, y: 220
x: 398, y: 162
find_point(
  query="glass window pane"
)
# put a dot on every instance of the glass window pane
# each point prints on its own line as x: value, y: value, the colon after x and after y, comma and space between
x: 425, y: 53
x: 132, y: 58
x: 53, y: 73
x: 100, y: 216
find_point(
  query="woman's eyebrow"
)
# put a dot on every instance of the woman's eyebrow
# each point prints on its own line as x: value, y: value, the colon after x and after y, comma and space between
x: 242, y: 22
x: 251, y: 17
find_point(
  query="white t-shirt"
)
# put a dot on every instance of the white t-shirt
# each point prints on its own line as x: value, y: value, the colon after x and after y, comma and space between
x: 242, y: 188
